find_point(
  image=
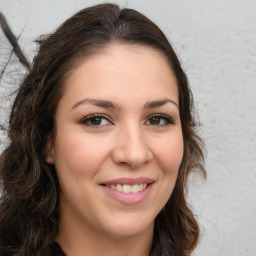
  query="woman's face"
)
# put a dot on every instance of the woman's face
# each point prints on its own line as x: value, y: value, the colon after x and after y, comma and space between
x: 118, y: 143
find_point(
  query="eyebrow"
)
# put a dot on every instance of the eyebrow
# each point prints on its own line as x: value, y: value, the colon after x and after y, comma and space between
x: 159, y: 103
x: 110, y: 104
x: 96, y: 102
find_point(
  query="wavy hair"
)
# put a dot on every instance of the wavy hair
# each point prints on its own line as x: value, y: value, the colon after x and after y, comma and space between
x: 29, y: 209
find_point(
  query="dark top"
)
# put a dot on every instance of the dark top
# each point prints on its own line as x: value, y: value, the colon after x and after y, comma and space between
x: 56, y: 250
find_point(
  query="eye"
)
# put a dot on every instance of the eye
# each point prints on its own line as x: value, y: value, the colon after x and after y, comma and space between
x: 95, y: 120
x: 159, y: 120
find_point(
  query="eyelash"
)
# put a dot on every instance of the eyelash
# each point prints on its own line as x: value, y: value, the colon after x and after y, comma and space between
x: 88, y: 120
x: 167, y: 119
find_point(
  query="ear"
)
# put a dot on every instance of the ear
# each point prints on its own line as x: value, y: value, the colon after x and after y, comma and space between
x: 49, y: 152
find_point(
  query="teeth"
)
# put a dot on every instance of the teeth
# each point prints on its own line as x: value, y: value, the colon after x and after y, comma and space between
x: 135, y: 188
x: 128, y: 188
x: 119, y: 187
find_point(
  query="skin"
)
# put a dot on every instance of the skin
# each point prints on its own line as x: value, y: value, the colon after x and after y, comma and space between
x: 127, y: 142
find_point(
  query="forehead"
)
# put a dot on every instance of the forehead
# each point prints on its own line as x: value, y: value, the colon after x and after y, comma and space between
x: 122, y: 70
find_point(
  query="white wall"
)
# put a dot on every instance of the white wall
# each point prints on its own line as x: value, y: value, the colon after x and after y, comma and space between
x: 216, y: 42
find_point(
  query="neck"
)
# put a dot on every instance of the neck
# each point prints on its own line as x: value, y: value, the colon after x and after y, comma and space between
x: 81, y: 244
x: 80, y: 241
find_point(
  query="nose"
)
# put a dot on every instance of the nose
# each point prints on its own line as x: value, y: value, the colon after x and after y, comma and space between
x: 131, y: 148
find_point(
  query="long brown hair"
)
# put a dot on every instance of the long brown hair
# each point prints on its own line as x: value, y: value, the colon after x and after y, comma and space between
x: 29, y: 211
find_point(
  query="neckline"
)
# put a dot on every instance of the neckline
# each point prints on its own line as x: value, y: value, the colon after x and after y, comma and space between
x: 57, y: 250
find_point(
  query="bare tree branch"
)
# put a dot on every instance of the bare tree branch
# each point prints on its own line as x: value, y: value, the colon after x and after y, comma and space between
x: 13, y: 40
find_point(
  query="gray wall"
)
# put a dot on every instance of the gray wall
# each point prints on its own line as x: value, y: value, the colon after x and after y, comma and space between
x: 216, y: 42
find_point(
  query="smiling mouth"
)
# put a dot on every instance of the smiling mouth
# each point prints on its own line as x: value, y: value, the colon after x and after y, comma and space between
x: 125, y: 188
x: 129, y: 191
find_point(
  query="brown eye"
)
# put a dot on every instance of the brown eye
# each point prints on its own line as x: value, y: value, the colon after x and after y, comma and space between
x: 159, y: 120
x: 95, y: 120
x: 155, y: 120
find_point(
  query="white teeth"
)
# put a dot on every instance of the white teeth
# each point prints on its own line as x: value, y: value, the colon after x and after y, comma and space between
x: 128, y: 188
x: 135, y: 188
x: 119, y: 187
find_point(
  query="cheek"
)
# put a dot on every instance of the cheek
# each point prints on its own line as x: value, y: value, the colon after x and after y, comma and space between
x: 79, y: 154
x: 170, y: 153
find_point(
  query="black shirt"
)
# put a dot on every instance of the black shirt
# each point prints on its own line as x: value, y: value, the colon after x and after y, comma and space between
x: 56, y: 250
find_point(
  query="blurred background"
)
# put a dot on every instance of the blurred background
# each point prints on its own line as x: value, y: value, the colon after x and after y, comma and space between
x: 216, y: 43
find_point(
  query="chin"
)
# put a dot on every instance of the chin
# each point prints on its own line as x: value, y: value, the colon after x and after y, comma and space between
x: 127, y: 227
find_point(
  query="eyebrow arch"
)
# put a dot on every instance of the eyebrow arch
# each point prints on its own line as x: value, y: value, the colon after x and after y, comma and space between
x: 159, y: 103
x: 96, y: 102
x: 109, y: 104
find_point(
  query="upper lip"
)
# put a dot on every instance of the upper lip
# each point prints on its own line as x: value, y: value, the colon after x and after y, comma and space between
x: 129, y: 181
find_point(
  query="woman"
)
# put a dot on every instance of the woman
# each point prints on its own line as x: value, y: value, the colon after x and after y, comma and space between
x: 102, y: 141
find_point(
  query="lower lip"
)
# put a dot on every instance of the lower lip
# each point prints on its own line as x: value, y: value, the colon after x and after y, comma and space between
x: 128, y: 198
